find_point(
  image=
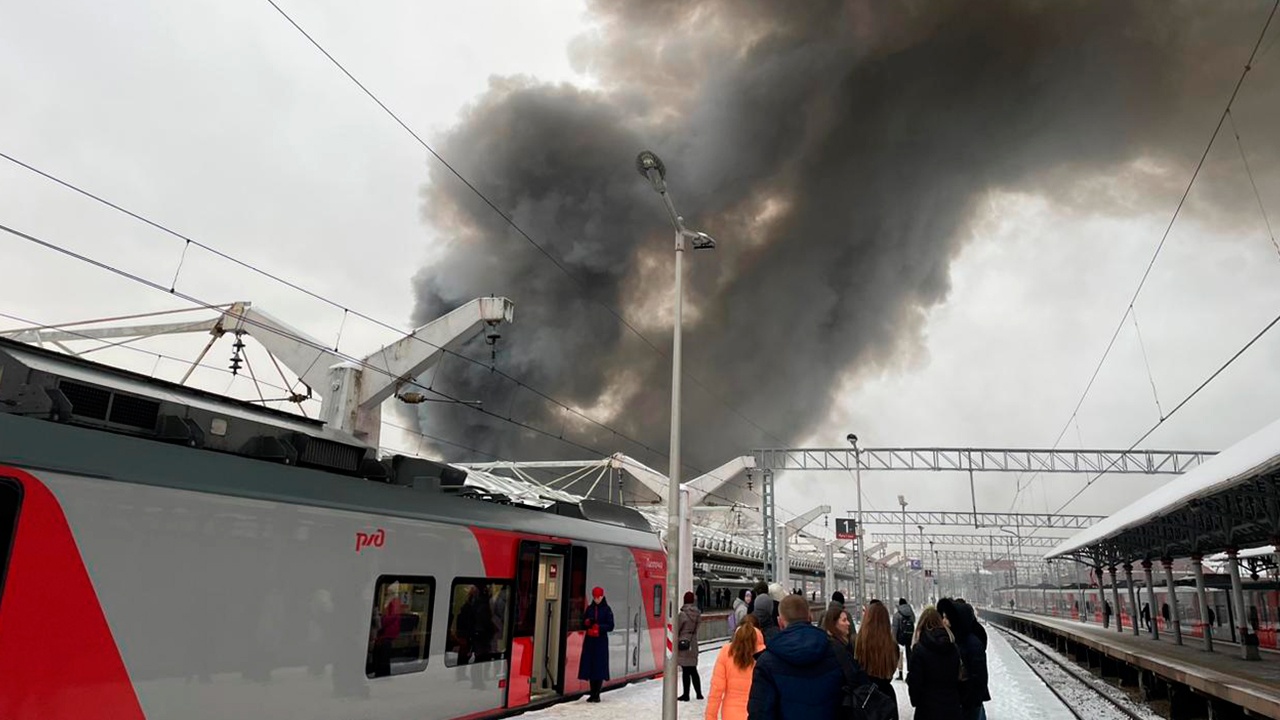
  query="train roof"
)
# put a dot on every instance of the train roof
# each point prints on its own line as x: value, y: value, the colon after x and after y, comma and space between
x: 67, y: 414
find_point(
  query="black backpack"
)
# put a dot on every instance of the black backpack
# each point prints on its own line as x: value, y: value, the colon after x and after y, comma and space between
x: 860, y: 699
x: 906, y: 628
x: 870, y: 703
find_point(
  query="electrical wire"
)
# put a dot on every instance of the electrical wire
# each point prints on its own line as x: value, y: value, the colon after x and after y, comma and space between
x: 308, y: 342
x: 1168, y: 228
x: 1185, y: 400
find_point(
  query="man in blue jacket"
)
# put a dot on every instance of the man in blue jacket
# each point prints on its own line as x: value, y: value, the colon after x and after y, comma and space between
x: 797, y: 676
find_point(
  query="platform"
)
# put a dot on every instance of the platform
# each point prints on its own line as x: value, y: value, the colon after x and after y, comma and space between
x: 1251, y: 685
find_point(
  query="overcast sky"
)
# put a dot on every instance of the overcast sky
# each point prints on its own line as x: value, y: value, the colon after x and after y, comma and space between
x: 218, y: 119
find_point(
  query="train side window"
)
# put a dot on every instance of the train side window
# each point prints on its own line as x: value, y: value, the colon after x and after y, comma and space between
x: 400, y: 627
x: 657, y: 600
x: 526, y: 589
x: 10, y: 499
x: 577, y: 587
x: 479, y: 609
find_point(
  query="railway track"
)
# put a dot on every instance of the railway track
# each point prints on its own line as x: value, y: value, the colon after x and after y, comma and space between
x: 1087, y: 697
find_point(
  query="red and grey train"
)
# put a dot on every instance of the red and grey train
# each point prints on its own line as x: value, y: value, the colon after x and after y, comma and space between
x: 1261, y: 600
x: 170, y: 553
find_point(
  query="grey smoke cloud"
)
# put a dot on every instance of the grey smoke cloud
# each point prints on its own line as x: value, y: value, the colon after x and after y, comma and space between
x: 836, y: 150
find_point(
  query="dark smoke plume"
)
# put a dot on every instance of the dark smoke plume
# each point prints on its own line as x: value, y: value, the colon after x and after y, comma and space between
x: 837, y: 151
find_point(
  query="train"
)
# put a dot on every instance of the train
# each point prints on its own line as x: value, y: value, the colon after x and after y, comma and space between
x: 169, y: 553
x: 1078, y: 602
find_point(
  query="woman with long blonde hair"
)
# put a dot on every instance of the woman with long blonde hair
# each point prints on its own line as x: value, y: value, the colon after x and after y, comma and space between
x: 731, y: 678
x: 933, y: 670
x: 876, y: 650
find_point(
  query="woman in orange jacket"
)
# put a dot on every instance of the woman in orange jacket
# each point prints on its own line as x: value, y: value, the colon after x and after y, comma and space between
x: 731, y: 679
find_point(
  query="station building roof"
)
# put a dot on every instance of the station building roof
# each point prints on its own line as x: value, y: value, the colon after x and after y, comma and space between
x: 1231, y: 500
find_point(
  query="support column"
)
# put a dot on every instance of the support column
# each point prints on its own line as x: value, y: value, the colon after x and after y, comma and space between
x: 1081, y: 595
x: 1206, y: 630
x: 770, y: 527
x: 1152, y: 608
x: 1115, y: 594
x: 1170, y: 588
x: 1248, y: 643
x: 829, y: 569
x: 782, y: 574
x: 1133, y: 598
x: 686, y: 544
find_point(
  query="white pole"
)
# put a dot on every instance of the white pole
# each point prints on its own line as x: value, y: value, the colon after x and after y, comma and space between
x: 859, y: 544
x: 669, y: 711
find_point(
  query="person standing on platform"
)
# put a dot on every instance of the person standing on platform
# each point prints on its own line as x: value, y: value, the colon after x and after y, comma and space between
x: 963, y: 623
x: 876, y: 650
x: 1146, y: 616
x: 798, y: 676
x: 594, y: 663
x: 1106, y: 614
x: 738, y: 611
x: 765, y: 617
x: 687, y: 646
x: 731, y: 678
x: 933, y: 673
x: 904, y: 626
x: 758, y: 590
x: 836, y: 605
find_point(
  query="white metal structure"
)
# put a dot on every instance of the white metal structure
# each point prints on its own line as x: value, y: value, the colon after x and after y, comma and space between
x: 352, y: 392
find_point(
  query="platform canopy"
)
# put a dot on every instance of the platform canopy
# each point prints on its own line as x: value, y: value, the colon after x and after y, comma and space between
x: 1230, y: 501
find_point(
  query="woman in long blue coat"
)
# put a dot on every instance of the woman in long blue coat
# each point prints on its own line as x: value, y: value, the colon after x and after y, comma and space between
x: 594, y: 664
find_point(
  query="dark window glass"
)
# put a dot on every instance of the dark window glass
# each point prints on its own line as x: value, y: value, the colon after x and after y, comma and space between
x: 657, y: 600
x: 10, y: 498
x: 526, y: 589
x: 478, y: 628
x: 400, y: 630
x: 577, y: 587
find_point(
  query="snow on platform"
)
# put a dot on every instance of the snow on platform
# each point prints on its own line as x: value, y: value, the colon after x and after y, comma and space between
x: 1017, y: 694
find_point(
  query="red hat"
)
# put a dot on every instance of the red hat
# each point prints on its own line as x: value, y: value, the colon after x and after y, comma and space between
x: 597, y: 592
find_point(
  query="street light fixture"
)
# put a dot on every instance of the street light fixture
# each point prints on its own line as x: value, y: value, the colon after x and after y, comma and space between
x: 860, y: 569
x: 650, y: 166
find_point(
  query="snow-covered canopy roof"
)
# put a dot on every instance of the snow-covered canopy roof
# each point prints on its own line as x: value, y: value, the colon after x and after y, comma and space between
x: 1230, y: 500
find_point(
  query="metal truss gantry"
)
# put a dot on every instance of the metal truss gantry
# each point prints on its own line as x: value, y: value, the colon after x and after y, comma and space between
x: 1134, y: 462
x: 968, y: 460
x: 1026, y: 521
x: 988, y: 541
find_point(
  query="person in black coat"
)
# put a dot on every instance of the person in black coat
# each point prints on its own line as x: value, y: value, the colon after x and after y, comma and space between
x: 971, y: 641
x: 933, y: 671
x: 797, y: 676
x: 594, y: 664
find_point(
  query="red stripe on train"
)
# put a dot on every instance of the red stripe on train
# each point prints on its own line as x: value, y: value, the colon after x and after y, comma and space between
x: 57, y: 655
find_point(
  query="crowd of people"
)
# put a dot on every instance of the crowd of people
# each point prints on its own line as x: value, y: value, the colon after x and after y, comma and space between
x: 781, y: 664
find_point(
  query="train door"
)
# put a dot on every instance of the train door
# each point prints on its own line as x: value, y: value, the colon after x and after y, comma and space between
x: 547, y: 679
x: 537, y: 648
x: 635, y: 606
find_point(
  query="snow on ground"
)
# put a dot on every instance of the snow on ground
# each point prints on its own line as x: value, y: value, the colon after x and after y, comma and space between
x: 1017, y: 694
x: 1016, y: 691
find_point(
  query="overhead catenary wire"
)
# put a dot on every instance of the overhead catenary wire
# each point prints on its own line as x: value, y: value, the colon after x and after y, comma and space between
x: 510, y: 221
x: 1222, y: 118
x: 1212, y: 376
x: 1271, y: 235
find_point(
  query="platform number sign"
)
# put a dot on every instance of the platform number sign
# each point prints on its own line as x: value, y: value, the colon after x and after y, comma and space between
x: 916, y: 563
x: 846, y: 529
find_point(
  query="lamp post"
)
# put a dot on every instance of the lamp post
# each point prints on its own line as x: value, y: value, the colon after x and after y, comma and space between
x: 906, y: 562
x: 857, y: 540
x: 651, y: 167
x: 936, y: 584
x: 924, y: 581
